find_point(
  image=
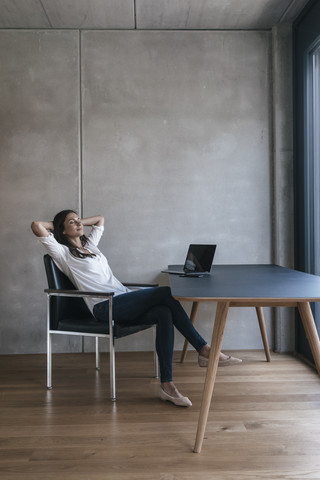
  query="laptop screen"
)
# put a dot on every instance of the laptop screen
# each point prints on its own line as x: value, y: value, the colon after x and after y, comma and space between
x: 199, y: 258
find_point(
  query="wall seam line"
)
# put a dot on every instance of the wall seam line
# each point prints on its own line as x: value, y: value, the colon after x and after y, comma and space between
x: 80, y: 193
x: 135, y: 14
x: 80, y: 155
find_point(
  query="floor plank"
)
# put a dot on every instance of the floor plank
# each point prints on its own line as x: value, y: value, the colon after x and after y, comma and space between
x: 264, y: 422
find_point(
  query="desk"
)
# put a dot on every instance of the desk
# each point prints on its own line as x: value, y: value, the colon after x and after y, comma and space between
x: 246, y: 286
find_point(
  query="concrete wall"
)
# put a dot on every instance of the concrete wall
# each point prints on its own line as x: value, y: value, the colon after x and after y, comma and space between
x: 168, y: 134
x: 39, y: 138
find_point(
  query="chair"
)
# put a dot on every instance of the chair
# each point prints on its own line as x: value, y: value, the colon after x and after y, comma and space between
x: 68, y: 314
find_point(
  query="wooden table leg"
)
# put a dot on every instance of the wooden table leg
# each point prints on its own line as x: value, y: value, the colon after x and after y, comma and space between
x: 263, y: 331
x: 216, y: 343
x: 193, y: 316
x: 311, y: 331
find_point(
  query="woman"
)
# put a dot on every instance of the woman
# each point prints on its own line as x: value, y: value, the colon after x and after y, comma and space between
x: 80, y: 259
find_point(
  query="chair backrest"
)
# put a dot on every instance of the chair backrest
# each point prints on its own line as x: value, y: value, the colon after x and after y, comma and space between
x: 63, y: 307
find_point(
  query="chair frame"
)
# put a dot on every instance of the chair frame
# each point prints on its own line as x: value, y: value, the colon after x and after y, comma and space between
x: 103, y: 295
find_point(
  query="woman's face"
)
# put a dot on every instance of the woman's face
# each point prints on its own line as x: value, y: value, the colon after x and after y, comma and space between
x: 73, y: 226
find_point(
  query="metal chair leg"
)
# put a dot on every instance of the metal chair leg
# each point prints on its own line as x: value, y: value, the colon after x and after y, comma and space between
x: 49, y: 347
x: 112, y: 370
x: 49, y: 362
x: 155, y: 355
x: 97, y: 354
x: 112, y: 354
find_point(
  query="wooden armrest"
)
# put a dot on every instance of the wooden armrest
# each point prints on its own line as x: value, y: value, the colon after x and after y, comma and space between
x: 140, y: 284
x: 77, y: 293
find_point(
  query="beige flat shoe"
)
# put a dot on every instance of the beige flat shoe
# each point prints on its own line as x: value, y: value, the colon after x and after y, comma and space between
x: 179, y: 401
x: 203, y: 361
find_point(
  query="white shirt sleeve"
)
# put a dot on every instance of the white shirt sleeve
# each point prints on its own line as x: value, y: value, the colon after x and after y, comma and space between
x: 95, y: 234
x: 54, y: 248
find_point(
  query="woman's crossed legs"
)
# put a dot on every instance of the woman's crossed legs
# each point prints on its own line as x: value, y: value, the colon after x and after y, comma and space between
x: 156, y: 306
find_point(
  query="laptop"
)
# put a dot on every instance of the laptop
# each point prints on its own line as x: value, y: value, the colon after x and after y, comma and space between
x: 198, y: 261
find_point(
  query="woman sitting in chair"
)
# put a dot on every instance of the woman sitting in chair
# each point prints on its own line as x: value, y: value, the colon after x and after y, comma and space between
x: 79, y: 258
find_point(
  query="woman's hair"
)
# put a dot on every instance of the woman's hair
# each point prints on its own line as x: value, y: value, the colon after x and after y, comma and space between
x: 58, y: 229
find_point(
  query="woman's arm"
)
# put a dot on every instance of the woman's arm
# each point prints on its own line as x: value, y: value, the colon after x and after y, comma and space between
x: 97, y: 220
x: 42, y: 229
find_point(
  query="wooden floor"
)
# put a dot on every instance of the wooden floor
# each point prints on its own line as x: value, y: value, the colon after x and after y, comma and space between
x: 264, y: 421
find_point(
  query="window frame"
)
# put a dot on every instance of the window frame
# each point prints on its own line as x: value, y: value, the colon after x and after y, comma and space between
x: 306, y: 32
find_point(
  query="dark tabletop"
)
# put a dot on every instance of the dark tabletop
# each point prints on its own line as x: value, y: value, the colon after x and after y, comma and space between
x: 247, y: 281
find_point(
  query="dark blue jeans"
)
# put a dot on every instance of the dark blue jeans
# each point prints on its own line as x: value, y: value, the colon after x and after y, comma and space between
x: 153, y: 306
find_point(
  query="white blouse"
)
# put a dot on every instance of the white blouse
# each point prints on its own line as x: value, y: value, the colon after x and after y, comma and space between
x: 89, y: 273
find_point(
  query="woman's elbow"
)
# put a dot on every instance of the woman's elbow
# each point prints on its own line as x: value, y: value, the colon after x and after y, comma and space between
x: 100, y: 222
x: 35, y: 227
